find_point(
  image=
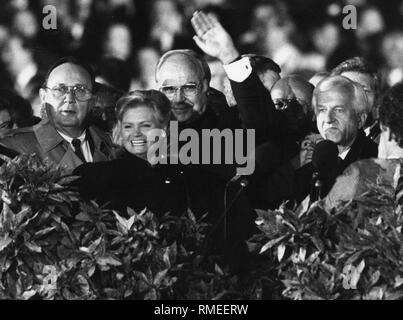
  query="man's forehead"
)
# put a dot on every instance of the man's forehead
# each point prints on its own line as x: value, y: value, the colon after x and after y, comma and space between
x: 70, y: 74
x: 335, y: 96
x: 179, y: 68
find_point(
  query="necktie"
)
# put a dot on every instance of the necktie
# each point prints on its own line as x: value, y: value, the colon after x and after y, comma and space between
x: 77, y: 149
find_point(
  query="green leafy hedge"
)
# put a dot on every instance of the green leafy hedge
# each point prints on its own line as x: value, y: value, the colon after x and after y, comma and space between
x: 354, y: 252
x: 55, y: 245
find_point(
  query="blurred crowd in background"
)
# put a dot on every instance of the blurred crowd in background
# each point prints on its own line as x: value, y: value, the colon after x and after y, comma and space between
x: 123, y: 39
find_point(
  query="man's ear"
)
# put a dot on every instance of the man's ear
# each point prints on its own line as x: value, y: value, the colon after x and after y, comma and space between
x: 362, y: 118
x: 42, y: 95
x: 205, y: 85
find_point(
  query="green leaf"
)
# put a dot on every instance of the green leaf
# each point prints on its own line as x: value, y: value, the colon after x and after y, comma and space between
x: 218, y: 270
x: 130, y: 222
x: 271, y: 243
x: 122, y: 223
x: 5, y: 242
x: 44, y: 232
x: 94, y: 245
x: 398, y: 281
x: 108, y: 260
x: 141, y: 276
x: 356, y: 273
x: 83, y: 216
x: 159, y: 277
x: 28, y: 294
x: 33, y: 247
x: 151, y: 295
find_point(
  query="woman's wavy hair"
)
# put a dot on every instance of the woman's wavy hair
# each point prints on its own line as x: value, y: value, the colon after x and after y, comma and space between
x: 152, y: 99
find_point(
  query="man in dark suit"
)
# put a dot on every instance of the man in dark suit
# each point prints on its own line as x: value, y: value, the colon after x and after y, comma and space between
x: 65, y: 137
x: 184, y: 76
x: 341, y: 111
x: 341, y: 108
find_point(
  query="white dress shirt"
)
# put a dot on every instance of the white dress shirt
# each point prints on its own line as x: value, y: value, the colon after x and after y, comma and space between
x: 239, y: 70
x: 85, y: 147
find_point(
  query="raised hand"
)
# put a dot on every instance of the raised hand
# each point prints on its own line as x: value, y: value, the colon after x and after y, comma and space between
x: 212, y: 38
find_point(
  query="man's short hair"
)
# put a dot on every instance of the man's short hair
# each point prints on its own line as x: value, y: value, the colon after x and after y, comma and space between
x: 360, y: 99
x: 360, y: 65
x: 262, y: 64
x: 71, y: 60
x: 391, y: 112
x: 196, y: 59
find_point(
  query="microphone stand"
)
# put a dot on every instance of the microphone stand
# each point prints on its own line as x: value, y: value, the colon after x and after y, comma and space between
x: 316, y: 187
x: 243, y: 184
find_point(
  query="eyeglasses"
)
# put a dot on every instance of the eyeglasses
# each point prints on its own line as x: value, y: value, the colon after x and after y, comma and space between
x: 81, y: 93
x: 189, y: 90
x: 6, y: 125
x: 282, y: 104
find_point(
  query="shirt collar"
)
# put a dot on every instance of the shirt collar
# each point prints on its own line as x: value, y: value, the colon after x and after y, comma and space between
x: 343, y: 155
x: 70, y: 139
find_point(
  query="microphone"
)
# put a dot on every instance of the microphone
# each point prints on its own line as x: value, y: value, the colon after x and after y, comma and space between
x: 325, y: 159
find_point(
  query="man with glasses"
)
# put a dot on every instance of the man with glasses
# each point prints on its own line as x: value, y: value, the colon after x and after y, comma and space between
x: 65, y: 137
x: 5, y: 121
x: 184, y: 77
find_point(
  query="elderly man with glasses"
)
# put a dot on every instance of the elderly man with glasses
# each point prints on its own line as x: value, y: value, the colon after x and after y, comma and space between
x: 65, y: 137
x: 184, y: 77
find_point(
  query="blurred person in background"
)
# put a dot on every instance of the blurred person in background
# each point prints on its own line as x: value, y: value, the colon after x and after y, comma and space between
x: 292, y: 89
x: 33, y: 87
x: 19, y: 60
x: 5, y: 120
x: 392, y: 56
x: 145, y: 61
x: 25, y: 23
x: 17, y: 110
x: 332, y: 42
x: 370, y: 28
x: 113, y: 72
x: 103, y: 111
x: 168, y: 30
x: 363, y: 72
x: 272, y: 34
x: 118, y: 41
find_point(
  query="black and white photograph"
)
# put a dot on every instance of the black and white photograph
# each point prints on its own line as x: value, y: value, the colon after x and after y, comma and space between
x: 201, y: 154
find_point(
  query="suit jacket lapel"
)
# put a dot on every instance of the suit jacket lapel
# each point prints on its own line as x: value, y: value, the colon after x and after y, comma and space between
x: 97, y: 146
x: 52, y: 144
x: 55, y: 147
x: 355, y: 150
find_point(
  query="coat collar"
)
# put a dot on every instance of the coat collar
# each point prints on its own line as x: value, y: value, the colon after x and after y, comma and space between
x: 47, y: 135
